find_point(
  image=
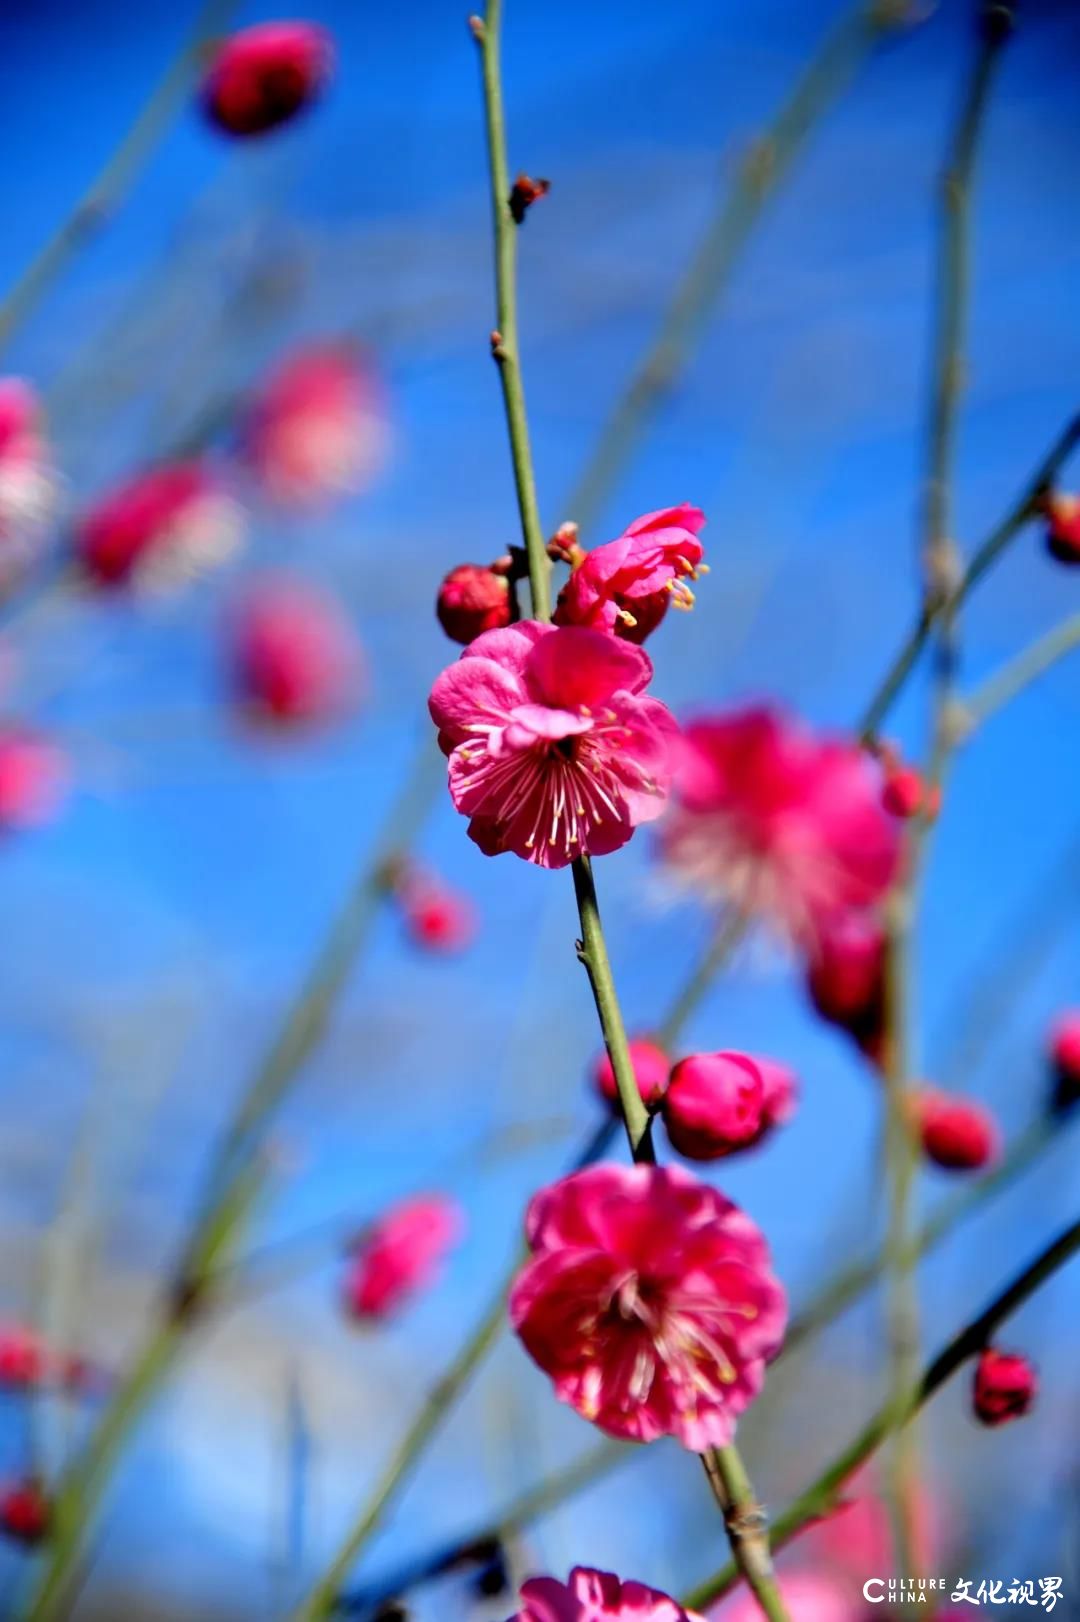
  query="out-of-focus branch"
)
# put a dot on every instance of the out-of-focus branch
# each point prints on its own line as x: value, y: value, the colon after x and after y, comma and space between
x: 1026, y: 507
x: 760, y: 176
x: 237, y: 1177
x: 1007, y: 683
x: 821, y: 1498
x: 940, y: 603
x: 107, y: 191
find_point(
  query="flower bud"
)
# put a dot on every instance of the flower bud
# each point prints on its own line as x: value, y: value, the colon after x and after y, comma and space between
x: 846, y: 974
x: 24, y: 1511
x: 1065, y: 1058
x: 715, y: 1104
x: 526, y: 191
x: 23, y: 1357
x: 263, y: 76
x: 437, y: 917
x: 905, y: 792
x: 401, y: 1254
x: 1005, y: 1386
x: 1063, y: 527
x: 956, y: 1133
x: 651, y: 1068
x: 472, y: 599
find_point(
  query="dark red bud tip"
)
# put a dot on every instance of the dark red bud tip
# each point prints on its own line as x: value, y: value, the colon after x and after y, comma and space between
x: 1065, y: 1063
x: 1062, y: 533
x: 24, y: 1512
x: 1005, y: 1386
x: 525, y: 193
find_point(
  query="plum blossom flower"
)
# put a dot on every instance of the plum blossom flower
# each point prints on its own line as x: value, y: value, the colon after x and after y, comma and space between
x: 263, y: 76
x: 28, y: 482
x: 295, y: 658
x: 627, y: 585
x: 778, y: 823
x: 555, y: 749
x: 318, y: 428
x: 650, y: 1301
x: 808, y: 1596
x: 596, y: 1596
x: 159, y: 529
x: 401, y: 1253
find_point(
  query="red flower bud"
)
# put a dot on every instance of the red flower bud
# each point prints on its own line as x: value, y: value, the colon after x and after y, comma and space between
x: 263, y: 76
x: 472, y: 599
x: 24, y: 1512
x: 651, y: 1067
x: 525, y: 193
x: 905, y: 792
x: 715, y: 1104
x: 1065, y: 1057
x: 1063, y: 527
x: 22, y: 1357
x: 956, y: 1133
x: 1005, y: 1386
x: 846, y: 975
x: 437, y: 918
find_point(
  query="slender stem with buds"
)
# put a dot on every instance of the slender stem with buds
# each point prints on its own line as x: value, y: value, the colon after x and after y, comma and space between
x: 107, y: 191
x: 940, y: 605
x: 824, y: 1495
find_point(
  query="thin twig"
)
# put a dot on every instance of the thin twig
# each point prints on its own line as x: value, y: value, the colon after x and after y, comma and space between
x: 107, y: 191
x: 940, y: 606
x: 823, y: 1496
x: 1007, y: 683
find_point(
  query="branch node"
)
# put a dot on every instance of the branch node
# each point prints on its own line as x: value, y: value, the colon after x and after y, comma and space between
x: 477, y: 29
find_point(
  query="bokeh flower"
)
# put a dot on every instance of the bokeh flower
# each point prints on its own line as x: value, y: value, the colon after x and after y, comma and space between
x: 263, y: 76
x: 555, y: 749
x: 627, y: 585
x: 1065, y: 1061
x: 34, y: 778
x: 596, y: 1596
x: 159, y: 529
x: 28, y: 482
x: 318, y: 428
x: 650, y: 1301
x: 846, y: 975
x: 437, y: 917
x: 401, y: 1254
x: 24, y: 1511
x: 778, y: 823
x: 294, y: 656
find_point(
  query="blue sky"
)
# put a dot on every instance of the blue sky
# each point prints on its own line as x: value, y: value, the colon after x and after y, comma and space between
x: 162, y: 924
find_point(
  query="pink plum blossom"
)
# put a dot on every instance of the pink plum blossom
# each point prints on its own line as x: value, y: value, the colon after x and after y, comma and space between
x: 556, y: 751
x: 627, y: 585
x: 596, y: 1596
x: 28, y: 483
x: 319, y: 427
x: 778, y: 823
x: 650, y: 1301
x: 34, y: 777
x: 264, y: 75
x: 401, y: 1253
x: 159, y: 528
